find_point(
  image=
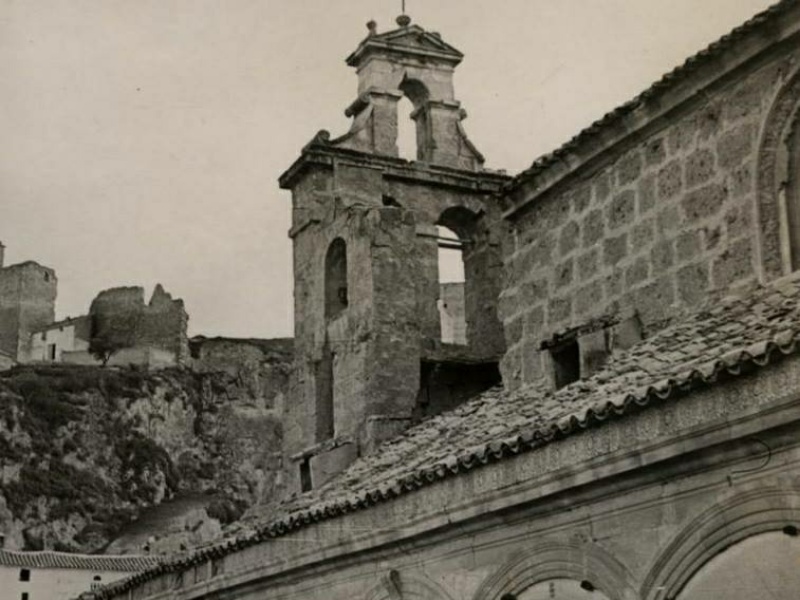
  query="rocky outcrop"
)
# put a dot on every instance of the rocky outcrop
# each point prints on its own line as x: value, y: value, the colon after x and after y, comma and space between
x: 90, y: 456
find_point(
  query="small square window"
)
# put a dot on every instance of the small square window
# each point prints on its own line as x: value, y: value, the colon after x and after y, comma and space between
x: 24, y: 596
x: 566, y: 363
x: 24, y: 574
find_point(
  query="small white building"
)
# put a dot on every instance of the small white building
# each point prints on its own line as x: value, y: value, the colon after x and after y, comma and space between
x: 51, y: 575
x: 54, y: 342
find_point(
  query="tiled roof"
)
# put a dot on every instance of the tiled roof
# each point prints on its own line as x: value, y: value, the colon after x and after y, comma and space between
x: 728, y: 337
x: 668, y: 81
x: 86, y: 562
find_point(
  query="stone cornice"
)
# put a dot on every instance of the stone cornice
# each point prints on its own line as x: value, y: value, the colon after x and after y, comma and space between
x: 318, y: 154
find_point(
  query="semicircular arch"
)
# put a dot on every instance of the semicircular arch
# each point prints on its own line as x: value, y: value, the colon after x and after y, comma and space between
x: 720, y: 526
x: 548, y: 560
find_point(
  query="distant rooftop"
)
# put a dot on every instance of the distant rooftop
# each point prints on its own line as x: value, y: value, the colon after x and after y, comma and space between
x: 88, y: 562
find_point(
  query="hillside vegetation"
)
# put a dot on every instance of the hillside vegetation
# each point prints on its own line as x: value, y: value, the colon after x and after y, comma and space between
x: 85, y: 451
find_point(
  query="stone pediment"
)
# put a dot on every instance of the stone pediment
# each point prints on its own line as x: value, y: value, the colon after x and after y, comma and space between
x: 412, y: 40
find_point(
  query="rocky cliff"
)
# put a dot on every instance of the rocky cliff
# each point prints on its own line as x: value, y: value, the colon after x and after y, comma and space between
x: 94, y: 459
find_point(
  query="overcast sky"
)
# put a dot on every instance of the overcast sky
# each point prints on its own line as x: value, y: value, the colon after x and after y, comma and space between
x: 141, y: 140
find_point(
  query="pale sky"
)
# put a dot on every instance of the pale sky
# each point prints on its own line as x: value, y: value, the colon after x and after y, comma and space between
x: 141, y: 140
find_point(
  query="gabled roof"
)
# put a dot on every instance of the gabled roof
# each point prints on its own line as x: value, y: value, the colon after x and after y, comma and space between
x: 86, y: 562
x: 81, y: 320
x: 672, y: 80
x: 721, y: 341
x: 411, y: 39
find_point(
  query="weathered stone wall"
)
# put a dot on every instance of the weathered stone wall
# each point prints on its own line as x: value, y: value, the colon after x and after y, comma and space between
x: 386, y: 213
x: 27, y: 302
x: 653, y: 226
x: 160, y: 324
x: 260, y: 367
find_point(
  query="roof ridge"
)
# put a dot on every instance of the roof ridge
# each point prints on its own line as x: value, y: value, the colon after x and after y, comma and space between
x: 667, y: 80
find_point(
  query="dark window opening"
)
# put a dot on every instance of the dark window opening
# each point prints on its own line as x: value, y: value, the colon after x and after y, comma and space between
x: 323, y: 377
x: 336, y: 296
x: 51, y: 351
x: 444, y: 385
x: 24, y: 596
x: 587, y: 585
x: 305, y: 475
x: 24, y: 574
x: 390, y: 201
x: 566, y: 363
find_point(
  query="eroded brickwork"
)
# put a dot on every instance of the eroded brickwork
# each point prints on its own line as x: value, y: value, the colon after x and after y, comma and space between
x: 653, y: 227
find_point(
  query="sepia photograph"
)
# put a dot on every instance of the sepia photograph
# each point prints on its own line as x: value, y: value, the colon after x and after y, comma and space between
x: 399, y: 300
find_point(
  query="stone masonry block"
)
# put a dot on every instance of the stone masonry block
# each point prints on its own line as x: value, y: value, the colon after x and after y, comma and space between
x: 534, y: 291
x: 613, y: 284
x: 593, y: 227
x: 559, y: 310
x: 654, y: 152
x: 736, y: 145
x: 682, y: 134
x: 647, y: 193
x: 629, y: 168
x: 704, y: 202
x: 699, y: 167
x: 662, y: 256
x: 615, y: 249
x: 569, y: 238
x: 564, y: 274
x: 534, y: 322
x: 734, y: 264
x: 588, y: 299
x: 709, y: 120
x: 602, y: 186
x: 642, y: 235
x: 622, y: 209
x: 638, y: 272
x: 670, y: 180
x: 744, y: 101
x: 742, y: 180
x: 692, y: 281
x: 587, y: 264
x: 687, y: 245
x: 581, y: 198
x: 654, y: 300
x: 513, y: 330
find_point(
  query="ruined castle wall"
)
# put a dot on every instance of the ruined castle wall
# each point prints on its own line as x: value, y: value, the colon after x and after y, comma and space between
x: 655, y: 226
x: 159, y: 325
